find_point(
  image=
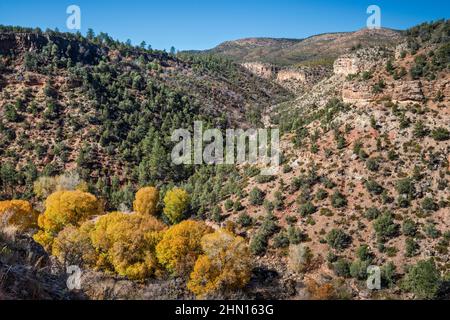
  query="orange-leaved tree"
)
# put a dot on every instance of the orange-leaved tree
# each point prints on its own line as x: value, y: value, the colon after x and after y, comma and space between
x: 65, y: 208
x: 225, y: 264
x: 181, y: 245
x: 126, y: 244
x: 19, y: 213
x: 146, y: 200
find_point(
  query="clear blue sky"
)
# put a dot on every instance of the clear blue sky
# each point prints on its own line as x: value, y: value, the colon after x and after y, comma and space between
x: 201, y: 24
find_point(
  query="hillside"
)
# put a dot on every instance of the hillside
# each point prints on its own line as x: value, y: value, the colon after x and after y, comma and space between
x: 109, y: 109
x: 85, y: 167
x: 320, y: 49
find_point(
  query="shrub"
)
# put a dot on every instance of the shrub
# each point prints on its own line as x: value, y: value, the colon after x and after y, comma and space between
x: 431, y: 231
x: 385, y: 227
x: 228, y: 205
x: 295, y: 235
x: 258, y: 244
x: 420, y: 130
x: 409, y: 228
x: 405, y: 186
x: 176, y: 204
x: 264, y: 179
x: 428, y: 204
x: 237, y: 206
x: 388, y: 274
x: 358, y: 269
x: 373, y: 187
x: 65, y: 208
x: 338, y: 239
x: 440, y: 134
x: 338, y: 200
x: 423, y: 279
x: 300, y: 258
x: 281, y: 240
x: 321, y: 194
x: 341, y: 268
x: 256, y: 197
x: 181, y: 245
x: 307, y: 209
x: 244, y: 220
x: 364, y: 253
x: 225, y: 264
x: 372, y: 213
x: 411, y: 247
x: 146, y: 201
x: 18, y: 213
x: 372, y: 164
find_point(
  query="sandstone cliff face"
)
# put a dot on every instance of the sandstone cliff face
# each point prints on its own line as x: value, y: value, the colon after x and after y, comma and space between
x: 360, y: 61
x: 295, y: 79
x: 263, y: 70
x: 346, y: 65
x: 408, y: 91
x: 357, y: 92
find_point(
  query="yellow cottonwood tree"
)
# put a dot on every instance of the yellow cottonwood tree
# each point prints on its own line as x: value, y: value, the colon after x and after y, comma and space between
x: 176, y: 203
x: 181, y: 245
x: 225, y: 264
x: 73, y: 246
x: 18, y: 213
x: 65, y: 208
x: 146, y: 200
x: 126, y: 244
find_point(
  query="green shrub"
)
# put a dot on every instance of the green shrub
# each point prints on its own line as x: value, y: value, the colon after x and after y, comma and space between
x: 411, y: 248
x: 405, y: 186
x: 338, y: 239
x: 307, y: 209
x: 228, y: 204
x: 364, y: 253
x: 440, y: 134
x: 409, y: 228
x: 281, y: 240
x: 388, y: 275
x: 373, y: 164
x: 428, y: 204
x: 321, y: 194
x: 244, y: 220
x: 358, y: 269
x: 256, y: 197
x: 295, y: 235
x: 431, y: 231
x: 341, y: 268
x: 258, y: 244
x: 338, y: 200
x: 385, y: 227
x: 372, y: 213
x: 373, y: 187
x: 420, y: 130
x: 423, y: 279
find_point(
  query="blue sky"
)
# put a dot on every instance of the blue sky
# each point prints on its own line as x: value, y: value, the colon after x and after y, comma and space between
x: 201, y: 24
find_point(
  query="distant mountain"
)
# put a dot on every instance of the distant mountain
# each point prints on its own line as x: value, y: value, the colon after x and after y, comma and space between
x: 319, y: 49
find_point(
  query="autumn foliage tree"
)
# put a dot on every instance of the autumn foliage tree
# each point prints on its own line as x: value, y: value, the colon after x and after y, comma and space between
x: 181, y: 245
x: 117, y: 242
x: 65, y: 208
x: 126, y: 243
x: 225, y: 264
x: 73, y: 246
x: 18, y: 213
x: 146, y: 201
x: 176, y: 203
